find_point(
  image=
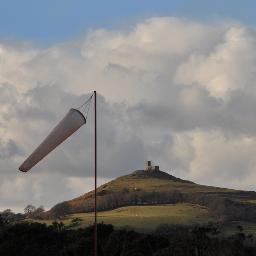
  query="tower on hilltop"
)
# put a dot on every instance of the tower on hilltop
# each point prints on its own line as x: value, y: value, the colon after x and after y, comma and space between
x: 150, y: 168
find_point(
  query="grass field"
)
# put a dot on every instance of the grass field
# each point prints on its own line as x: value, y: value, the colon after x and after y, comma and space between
x: 150, y: 217
x: 145, y: 217
x: 158, y: 184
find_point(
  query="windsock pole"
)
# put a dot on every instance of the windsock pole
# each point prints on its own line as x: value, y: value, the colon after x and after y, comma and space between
x: 95, y: 175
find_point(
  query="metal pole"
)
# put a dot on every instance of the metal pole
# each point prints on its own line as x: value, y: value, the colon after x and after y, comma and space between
x: 95, y: 174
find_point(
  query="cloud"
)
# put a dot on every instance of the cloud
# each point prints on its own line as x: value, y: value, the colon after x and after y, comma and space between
x: 218, y: 71
x: 176, y: 91
x: 42, y: 189
x: 218, y: 159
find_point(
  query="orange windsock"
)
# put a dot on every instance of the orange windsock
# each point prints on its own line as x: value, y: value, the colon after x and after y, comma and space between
x: 73, y: 120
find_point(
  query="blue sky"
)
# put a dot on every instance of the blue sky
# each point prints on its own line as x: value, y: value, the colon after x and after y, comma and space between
x: 51, y: 21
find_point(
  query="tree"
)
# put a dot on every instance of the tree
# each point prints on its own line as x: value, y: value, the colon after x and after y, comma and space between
x: 2, y: 222
x: 38, y: 213
x: 59, y: 226
x: 8, y: 216
x: 29, y: 209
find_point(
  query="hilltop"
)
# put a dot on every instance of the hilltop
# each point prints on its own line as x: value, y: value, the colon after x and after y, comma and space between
x: 155, y: 187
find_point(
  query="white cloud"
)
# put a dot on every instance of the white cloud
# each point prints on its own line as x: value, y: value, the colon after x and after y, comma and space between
x: 230, y: 66
x: 176, y: 91
x: 42, y: 189
x: 218, y: 159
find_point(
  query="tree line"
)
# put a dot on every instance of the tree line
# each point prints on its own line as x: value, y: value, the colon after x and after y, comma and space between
x: 26, y: 239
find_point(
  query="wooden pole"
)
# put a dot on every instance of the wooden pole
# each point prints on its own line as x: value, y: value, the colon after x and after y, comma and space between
x: 95, y: 174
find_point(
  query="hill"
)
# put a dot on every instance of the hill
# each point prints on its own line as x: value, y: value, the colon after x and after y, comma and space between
x: 146, y: 217
x: 142, y: 188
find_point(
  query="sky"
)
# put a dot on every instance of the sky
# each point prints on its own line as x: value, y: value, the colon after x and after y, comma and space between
x: 50, y: 21
x: 176, y: 85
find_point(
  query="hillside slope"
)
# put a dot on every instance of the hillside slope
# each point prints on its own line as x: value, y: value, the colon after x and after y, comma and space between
x: 152, y: 188
x: 144, y: 217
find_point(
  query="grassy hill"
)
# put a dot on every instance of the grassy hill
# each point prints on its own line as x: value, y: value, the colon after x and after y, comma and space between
x: 150, y: 217
x: 143, y: 217
x: 144, y: 189
x: 141, y: 181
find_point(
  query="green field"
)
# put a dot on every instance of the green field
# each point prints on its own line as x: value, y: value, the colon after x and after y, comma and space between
x: 145, y: 217
x: 150, y: 217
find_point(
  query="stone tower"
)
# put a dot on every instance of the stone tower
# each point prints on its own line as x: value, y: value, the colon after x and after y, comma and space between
x: 150, y: 168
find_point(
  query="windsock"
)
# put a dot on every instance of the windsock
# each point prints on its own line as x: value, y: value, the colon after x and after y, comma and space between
x: 73, y: 120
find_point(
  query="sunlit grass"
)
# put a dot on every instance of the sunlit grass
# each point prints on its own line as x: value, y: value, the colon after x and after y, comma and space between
x: 144, y: 217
